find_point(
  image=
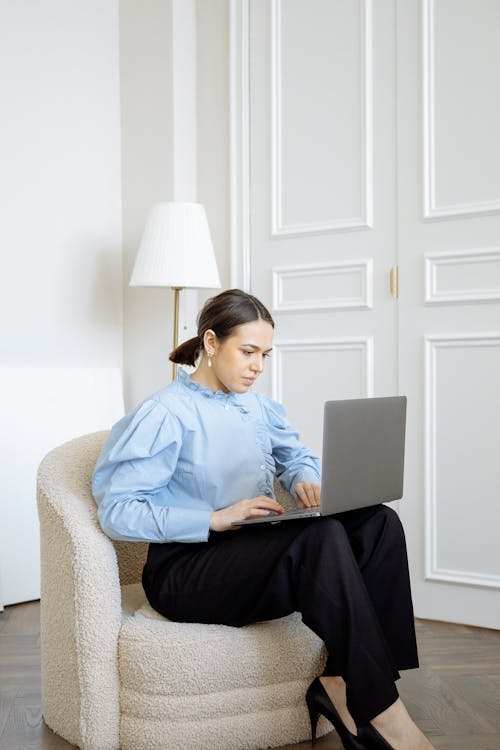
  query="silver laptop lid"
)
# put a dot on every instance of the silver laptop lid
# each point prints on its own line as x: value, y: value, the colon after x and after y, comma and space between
x: 363, y: 452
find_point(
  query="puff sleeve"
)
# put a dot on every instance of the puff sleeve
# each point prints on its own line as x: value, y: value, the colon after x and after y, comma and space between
x: 295, y: 462
x: 132, y: 475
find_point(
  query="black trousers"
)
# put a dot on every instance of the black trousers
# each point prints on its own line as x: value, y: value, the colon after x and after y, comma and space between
x: 346, y: 574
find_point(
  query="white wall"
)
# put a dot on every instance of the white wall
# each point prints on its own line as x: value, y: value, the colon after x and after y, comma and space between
x: 60, y: 204
x: 158, y: 153
x: 60, y: 182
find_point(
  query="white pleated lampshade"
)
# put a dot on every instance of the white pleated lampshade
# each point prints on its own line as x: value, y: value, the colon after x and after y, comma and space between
x: 176, y: 249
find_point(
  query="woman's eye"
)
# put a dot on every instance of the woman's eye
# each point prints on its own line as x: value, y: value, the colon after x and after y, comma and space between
x: 265, y: 355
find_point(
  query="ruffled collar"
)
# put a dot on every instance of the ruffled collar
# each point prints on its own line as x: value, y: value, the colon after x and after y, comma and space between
x: 205, y: 390
x: 184, y: 378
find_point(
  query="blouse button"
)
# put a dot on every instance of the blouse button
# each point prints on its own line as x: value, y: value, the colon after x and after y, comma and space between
x: 262, y: 466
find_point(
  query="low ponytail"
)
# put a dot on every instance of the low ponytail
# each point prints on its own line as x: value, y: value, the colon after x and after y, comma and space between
x: 186, y: 353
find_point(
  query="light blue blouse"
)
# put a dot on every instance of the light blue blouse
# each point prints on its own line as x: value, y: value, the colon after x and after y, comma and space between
x: 186, y: 452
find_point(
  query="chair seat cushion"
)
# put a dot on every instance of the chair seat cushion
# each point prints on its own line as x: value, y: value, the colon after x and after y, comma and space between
x: 206, y: 686
x: 168, y: 660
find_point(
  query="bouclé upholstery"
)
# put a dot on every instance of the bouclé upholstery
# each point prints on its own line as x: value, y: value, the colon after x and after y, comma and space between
x: 116, y: 674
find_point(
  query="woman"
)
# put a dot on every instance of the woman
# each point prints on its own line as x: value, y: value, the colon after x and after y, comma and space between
x: 201, y: 454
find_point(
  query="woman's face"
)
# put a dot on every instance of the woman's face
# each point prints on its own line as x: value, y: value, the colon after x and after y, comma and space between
x: 239, y: 360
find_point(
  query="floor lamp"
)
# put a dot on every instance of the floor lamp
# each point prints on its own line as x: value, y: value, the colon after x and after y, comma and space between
x: 176, y: 250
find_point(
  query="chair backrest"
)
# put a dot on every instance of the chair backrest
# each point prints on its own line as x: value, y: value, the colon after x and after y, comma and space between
x: 71, y: 470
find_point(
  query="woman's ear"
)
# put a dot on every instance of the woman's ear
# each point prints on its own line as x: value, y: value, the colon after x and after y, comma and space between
x: 210, y: 342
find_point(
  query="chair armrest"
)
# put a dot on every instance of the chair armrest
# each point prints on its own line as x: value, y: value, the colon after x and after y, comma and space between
x: 80, y: 603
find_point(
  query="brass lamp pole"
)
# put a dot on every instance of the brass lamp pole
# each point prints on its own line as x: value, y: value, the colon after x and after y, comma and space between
x: 176, y: 289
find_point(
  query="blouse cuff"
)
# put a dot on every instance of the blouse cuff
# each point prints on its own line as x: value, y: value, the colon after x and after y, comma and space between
x: 306, y: 475
x: 187, y: 525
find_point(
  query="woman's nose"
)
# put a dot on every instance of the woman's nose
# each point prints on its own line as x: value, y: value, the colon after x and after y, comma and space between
x: 257, y: 364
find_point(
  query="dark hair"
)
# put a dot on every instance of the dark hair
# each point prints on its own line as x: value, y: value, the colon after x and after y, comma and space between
x: 221, y: 314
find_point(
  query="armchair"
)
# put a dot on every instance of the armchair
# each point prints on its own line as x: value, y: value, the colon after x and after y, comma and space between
x: 115, y: 674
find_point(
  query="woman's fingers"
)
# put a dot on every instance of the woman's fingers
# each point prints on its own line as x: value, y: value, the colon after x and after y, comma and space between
x: 260, y: 506
x: 308, y: 493
x: 222, y: 520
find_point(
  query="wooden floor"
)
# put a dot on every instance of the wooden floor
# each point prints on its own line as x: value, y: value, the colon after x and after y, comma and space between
x: 454, y: 697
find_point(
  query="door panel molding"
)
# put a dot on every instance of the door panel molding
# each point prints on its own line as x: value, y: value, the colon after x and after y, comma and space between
x: 431, y: 208
x: 364, y: 344
x: 433, y: 571
x: 362, y: 268
x: 365, y: 219
x: 460, y: 258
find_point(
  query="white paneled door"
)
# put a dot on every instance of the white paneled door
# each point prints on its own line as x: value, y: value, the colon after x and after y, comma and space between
x: 346, y: 162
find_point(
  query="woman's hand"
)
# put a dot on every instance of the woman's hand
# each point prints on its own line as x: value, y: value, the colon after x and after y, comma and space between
x: 221, y: 520
x: 308, y: 494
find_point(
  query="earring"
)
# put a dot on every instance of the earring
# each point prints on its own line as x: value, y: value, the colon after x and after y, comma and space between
x: 209, y: 360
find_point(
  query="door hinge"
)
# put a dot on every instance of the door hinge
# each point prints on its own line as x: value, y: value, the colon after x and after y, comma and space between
x: 394, y: 281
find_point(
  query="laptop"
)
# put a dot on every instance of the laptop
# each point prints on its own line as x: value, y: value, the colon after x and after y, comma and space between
x: 363, y: 458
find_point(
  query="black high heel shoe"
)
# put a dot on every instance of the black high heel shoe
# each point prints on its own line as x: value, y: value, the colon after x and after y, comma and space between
x: 318, y: 703
x: 371, y: 739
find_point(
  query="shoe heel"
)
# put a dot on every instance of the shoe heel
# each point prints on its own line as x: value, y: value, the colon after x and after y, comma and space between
x: 313, y: 716
x: 318, y: 703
